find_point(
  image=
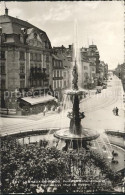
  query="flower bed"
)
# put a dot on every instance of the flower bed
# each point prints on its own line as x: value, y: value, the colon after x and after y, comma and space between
x: 38, y: 168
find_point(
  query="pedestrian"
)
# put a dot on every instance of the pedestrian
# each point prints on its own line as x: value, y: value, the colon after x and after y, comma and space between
x: 44, y: 111
x: 59, y: 109
x: 116, y: 111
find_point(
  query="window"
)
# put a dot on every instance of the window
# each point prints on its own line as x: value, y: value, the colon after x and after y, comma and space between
x: 34, y: 56
x: 3, y: 71
x: 38, y: 57
x: 55, y: 63
x: 3, y: 84
x: 54, y: 73
x: 93, y: 69
x: 39, y: 67
x: 86, y: 75
x: 58, y: 64
x: 85, y: 68
x: 47, y: 58
x: 22, y: 76
x: 57, y: 73
x: 61, y: 73
x: 31, y: 65
x: 22, y: 68
x: 64, y: 83
x: 3, y: 37
x: 45, y: 44
x: 54, y: 84
x: 31, y: 56
x: 2, y: 54
x: 22, y: 83
x: 65, y: 74
x: 60, y: 84
x: 22, y: 55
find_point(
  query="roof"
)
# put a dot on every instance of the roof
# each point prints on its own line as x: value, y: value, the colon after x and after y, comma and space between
x: 38, y: 100
x: 11, y: 25
x: 93, y: 46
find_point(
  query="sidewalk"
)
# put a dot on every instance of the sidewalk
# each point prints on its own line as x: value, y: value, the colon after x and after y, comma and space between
x: 103, y: 118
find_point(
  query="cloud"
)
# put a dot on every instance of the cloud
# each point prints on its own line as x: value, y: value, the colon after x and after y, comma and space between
x: 101, y: 21
x: 60, y: 12
x: 63, y: 39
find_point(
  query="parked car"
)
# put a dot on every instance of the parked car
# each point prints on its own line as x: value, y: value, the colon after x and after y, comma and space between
x: 98, y: 91
x: 104, y: 86
x: 124, y: 98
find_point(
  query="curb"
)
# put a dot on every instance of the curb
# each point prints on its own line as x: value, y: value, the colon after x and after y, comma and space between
x: 10, y: 116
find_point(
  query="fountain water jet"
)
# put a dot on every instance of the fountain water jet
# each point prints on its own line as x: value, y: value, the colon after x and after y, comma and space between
x: 75, y: 135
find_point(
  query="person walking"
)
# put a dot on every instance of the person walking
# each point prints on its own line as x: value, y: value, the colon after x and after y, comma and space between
x: 58, y: 109
x: 44, y: 111
x: 116, y: 111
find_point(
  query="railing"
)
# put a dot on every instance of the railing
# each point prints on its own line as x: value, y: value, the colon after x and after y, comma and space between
x: 115, y: 133
x: 7, y: 111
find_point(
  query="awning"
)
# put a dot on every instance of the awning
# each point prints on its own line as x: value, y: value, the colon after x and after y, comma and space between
x: 38, y: 100
x: 98, y: 87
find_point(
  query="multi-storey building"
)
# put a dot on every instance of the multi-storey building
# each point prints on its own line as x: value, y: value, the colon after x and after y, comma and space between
x: 65, y: 55
x: 88, y: 65
x: 25, y: 55
x: 103, y: 70
x: 93, y: 56
x: 85, y: 73
x: 120, y: 72
x: 98, y: 70
x: 93, y: 78
x: 58, y: 68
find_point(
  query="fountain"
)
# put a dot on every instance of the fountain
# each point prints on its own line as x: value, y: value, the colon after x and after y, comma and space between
x: 75, y: 135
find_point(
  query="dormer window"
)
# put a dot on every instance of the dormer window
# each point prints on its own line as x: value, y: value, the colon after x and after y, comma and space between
x: 22, y: 55
x: 35, y: 35
x: 3, y: 37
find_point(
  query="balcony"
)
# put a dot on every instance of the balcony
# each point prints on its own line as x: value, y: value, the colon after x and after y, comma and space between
x: 3, y: 73
x: 58, y: 78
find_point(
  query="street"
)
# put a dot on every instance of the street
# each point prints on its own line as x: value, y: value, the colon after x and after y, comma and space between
x: 98, y: 112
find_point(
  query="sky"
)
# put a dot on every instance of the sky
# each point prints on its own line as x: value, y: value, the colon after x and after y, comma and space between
x: 98, y: 22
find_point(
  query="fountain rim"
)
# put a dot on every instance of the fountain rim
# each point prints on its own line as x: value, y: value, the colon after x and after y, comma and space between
x: 74, y: 92
x: 75, y: 137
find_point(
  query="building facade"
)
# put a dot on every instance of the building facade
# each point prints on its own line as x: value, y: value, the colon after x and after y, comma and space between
x: 120, y: 72
x: 57, y: 72
x: 25, y: 56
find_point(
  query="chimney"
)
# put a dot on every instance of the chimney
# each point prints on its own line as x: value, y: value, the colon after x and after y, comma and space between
x: 6, y: 11
x: 70, y: 46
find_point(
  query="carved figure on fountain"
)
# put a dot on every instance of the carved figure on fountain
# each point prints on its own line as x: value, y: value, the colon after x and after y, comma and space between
x: 75, y: 78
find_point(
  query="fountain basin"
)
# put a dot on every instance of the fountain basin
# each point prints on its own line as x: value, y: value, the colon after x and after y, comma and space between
x: 86, y: 135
